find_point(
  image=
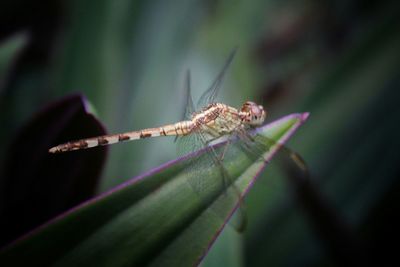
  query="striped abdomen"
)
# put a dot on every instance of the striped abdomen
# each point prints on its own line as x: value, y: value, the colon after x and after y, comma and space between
x: 179, y: 128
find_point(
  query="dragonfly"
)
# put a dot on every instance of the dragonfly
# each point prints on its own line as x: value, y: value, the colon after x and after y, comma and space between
x: 200, y: 126
x: 212, y: 121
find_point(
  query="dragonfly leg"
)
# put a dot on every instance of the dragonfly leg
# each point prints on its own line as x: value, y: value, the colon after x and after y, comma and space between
x: 224, y: 150
x: 209, y: 141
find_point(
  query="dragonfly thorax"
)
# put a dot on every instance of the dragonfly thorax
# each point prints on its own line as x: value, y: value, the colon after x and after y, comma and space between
x: 252, y: 114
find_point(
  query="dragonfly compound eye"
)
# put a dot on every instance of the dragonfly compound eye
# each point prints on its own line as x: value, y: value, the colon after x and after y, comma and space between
x: 254, y: 114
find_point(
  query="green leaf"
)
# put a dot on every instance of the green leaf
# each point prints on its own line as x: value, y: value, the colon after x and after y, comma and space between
x: 154, y: 219
x: 8, y: 53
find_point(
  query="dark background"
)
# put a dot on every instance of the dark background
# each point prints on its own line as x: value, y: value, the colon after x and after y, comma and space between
x: 338, y: 60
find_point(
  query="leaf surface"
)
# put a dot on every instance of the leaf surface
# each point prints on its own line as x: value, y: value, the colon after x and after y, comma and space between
x: 154, y: 219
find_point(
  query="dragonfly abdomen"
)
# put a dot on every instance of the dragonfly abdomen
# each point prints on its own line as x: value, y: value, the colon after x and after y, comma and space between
x: 179, y: 128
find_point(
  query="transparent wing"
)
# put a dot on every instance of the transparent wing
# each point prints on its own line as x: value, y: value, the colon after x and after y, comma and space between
x: 188, y: 143
x: 231, y: 194
x: 191, y: 143
x: 201, y: 180
x: 189, y: 107
x: 255, y: 145
x: 209, y: 96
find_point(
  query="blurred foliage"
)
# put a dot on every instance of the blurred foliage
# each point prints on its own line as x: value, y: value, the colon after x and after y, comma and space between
x: 37, y: 186
x: 338, y: 60
x: 8, y: 51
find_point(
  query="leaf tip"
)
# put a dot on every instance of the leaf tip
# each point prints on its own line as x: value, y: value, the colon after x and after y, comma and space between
x: 304, y: 116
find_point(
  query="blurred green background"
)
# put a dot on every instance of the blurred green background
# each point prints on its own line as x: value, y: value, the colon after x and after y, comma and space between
x: 338, y: 60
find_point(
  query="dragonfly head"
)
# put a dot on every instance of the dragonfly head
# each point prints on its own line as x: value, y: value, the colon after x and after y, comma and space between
x: 252, y: 114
